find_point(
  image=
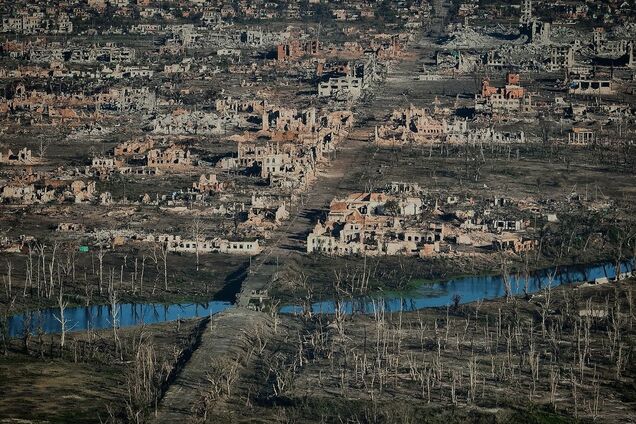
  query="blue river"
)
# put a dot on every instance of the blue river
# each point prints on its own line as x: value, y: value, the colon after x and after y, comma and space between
x: 96, y: 317
x: 469, y: 289
x: 427, y: 295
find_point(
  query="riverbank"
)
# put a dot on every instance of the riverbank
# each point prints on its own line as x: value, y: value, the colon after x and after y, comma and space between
x: 465, y: 290
x: 322, y: 277
x: 218, y: 278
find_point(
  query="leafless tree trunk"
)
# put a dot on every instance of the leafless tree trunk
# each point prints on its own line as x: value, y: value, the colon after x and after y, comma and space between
x: 28, y: 279
x: 8, y: 282
x: 88, y: 290
x: 26, y: 332
x: 114, y: 314
x: 506, y: 277
x: 196, y: 229
x: 51, y: 268
x: 62, y: 304
x: 100, y: 257
x: 164, y: 258
x: 545, y: 304
x: 141, y: 275
x: 575, y: 397
x: 44, y: 145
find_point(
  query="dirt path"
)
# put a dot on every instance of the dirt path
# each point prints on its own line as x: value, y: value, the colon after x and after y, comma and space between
x: 223, y: 338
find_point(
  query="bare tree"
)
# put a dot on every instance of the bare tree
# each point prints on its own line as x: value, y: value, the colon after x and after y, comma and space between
x: 196, y: 228
x: 545, y: 304
x: 505, y: 275
x: 44, y: 145
x: 7, y: 279
x: 164, y: 258
x: 62, y: 304
x: 4, y: 333
x: 114, y: 314
x: 100, y: 256
x: 141, y: 274
x: 28, y: 275
x: 554, y: 384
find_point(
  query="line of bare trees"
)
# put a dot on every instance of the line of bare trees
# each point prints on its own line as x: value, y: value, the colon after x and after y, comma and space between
x: 53, y: 274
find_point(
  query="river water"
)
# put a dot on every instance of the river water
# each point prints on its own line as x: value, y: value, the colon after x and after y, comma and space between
x: 98, y: 317
x: 469, y: 289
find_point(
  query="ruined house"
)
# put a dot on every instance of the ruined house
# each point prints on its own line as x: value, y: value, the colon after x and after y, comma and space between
x: 411, y: 125
x: 205, y: 245
x: 103, y: 162
x: 21, y: 157
x: 127, y: 99
x: 591, y: 87
x: 514, y: 242
x: 182, y: 122
x: 70, y: 227
x: 295, y: 49
x: 170, y: 158
x: 369, y: 224
x: 341, y: 87
x: 208, y: 184
x: 512, y: 89
x: 81, y: 191
x: 581, y: 136
x: 561, y: 57
x: 134, y: 147
x: 265, y: 218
